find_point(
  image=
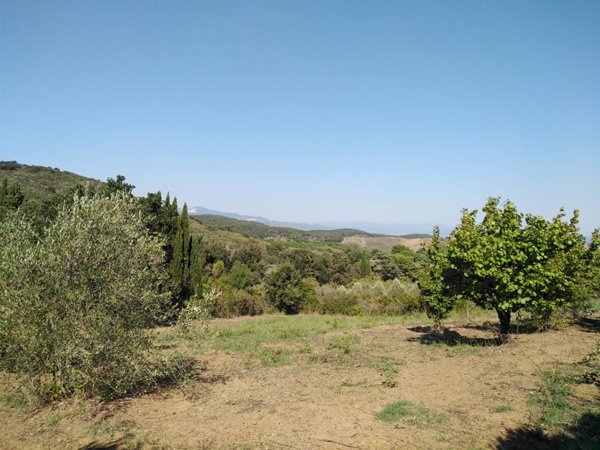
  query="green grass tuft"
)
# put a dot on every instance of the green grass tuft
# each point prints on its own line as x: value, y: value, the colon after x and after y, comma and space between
x: 550, y: 401
x: 410, y: 413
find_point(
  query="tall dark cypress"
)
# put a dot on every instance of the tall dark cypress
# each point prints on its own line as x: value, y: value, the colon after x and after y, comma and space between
x: 197, y: 260
x: 176, y: 266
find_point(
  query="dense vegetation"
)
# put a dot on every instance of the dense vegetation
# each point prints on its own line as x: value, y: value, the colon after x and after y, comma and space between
x: 86, y: 269
x: 510, y: 263
x: 77, y: 299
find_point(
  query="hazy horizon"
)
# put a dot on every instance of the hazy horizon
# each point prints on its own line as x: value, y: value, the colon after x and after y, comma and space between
x: 386, y: 112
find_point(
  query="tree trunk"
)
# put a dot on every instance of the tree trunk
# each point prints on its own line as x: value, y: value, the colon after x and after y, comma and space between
x: 504, y: 317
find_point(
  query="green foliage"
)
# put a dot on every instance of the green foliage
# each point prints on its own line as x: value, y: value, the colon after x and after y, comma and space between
x: 437, y: 304
x: 555, y: 264
x: 384, y: 266
x: 286, y: 290
x: 187, y: 261
x: 236, y: 302
x: 501, y: 264
x: 592, y: 366
x: 365, y: 297
x: 76, y: 299
x: 408, y: 262
x: 112, y: 186
x: 40, y: 184
x: 241, y: 276
x: 550, y: 400
x: 410, y: 413
x: 338, y: 303
x: 11, y: 197
x: 364, y: 267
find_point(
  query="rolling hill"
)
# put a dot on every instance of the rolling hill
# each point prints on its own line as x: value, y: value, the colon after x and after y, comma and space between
x: 262, y: 231
x: 39, y: 182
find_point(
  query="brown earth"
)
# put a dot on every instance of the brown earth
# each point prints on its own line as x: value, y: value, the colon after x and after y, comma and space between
x: 326, y: 396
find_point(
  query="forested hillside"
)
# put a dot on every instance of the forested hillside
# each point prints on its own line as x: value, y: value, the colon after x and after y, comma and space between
x: 259, y: 230
x: 39, y: 182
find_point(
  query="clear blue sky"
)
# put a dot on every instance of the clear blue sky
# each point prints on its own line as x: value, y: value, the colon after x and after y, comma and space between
x: 399, y: 111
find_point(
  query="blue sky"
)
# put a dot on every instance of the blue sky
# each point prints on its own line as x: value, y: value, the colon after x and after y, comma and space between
x: 399, y: 111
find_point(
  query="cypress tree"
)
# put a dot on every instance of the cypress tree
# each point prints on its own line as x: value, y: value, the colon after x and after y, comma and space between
x: 176, y: 266
x: 197, y: 260
x: 186, y: 251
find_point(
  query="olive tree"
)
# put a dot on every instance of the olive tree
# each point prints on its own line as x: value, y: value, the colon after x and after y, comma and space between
x: 77, y: 298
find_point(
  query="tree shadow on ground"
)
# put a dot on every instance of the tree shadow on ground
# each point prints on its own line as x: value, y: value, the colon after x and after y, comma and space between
x: 585, y: 435
x: 112, y: 445
x: 589, y: 324
x: 516, y: 327
x: 429, y: 335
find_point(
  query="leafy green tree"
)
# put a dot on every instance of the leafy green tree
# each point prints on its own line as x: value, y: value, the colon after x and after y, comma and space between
x: 241, y: 276
x: 364, y: 265
x: 555, y: 254
x: 438, y: 303
x: 286, y: 290
x: 592, y: 278
x: 408, y: 262
x: 76, y: 299
x: 251, y: 255
x: 501, y: 265
x: 11, y: 197
x: 113, y: 185
x: 384, y: 266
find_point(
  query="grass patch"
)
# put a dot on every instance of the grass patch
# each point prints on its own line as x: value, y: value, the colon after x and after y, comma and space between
x: 409, y: 413
x: 550, y: 401
x: 502, y: 409
x: 17, y: 398
x: 269, y: 357
x: 343, y: 343
x: 245, y: 335
x: 461, y: 349
x: 388, y: 372
x: 54, y: 420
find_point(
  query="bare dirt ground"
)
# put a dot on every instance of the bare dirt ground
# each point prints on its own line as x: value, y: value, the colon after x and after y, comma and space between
x: 325, y: 395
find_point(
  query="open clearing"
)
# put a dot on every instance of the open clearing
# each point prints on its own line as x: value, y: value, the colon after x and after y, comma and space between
x: 305, y: 382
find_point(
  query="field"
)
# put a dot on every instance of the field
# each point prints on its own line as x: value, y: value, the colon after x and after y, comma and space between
x: 305, y: 382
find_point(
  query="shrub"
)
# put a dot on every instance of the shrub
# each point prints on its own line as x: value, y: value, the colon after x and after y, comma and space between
x: 243, y: 303
x: 236, y: 302
x: 76, y: 299
x: 366, y: 297
x: 341, y: 302
x: 286, y: 290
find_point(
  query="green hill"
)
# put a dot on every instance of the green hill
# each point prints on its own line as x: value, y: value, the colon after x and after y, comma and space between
x: 41, y: 183
x: 261, y: 231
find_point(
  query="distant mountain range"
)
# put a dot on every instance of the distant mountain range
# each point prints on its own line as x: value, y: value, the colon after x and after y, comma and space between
x: 393, y: 229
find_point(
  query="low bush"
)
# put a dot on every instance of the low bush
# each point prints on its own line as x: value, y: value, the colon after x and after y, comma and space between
x: 393, y: 297
x: 236, y: 302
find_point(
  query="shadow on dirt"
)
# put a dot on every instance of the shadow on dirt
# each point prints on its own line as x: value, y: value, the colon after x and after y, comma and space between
x: 113, y: 445
x: 517, y: 327
x: 589, y: 324
x: 582, y: 436
x: 449, y: 337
